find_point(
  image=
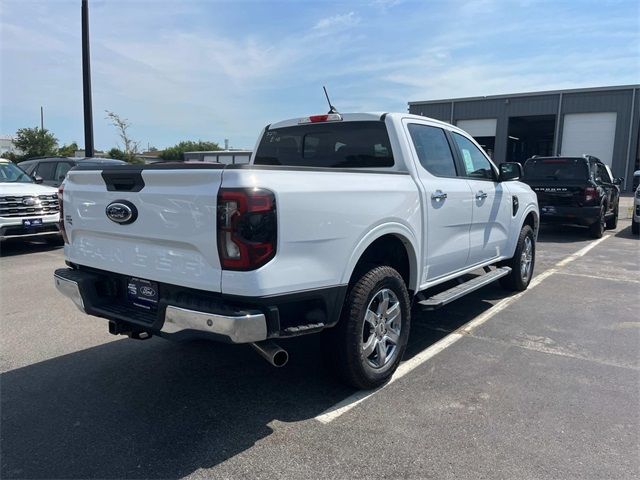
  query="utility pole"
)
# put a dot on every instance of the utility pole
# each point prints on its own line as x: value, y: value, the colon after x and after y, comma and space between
x: 41, y: 118
x: 86, y: 83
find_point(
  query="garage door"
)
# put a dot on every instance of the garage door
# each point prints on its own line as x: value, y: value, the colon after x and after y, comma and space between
x: 590, y: 133
x: 485, y: 127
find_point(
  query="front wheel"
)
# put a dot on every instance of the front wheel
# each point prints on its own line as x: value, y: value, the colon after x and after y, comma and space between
x: 635, y: 227
x: 368, y: 343
x: 522, y: 262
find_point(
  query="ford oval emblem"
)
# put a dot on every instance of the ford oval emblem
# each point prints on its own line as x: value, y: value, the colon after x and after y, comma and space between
x: 147, y: 291
x: 122, y: 212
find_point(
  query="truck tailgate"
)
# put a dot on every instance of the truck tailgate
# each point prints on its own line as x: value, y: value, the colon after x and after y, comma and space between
x: 559, y: 194
x: 171, y: 240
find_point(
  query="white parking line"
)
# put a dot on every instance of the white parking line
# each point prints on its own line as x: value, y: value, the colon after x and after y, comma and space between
x: 600, y: 277
x: 348, y: 403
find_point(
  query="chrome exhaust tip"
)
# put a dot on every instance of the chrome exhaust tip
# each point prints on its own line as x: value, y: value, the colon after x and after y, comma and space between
x: 272, y: 353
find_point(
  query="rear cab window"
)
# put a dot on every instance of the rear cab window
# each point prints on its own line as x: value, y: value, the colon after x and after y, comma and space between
x: 350, y: 144
x: 553, y: 169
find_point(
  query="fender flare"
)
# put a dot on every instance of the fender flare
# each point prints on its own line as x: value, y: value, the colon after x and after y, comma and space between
x: 404, y: 233
x: 515, y: 234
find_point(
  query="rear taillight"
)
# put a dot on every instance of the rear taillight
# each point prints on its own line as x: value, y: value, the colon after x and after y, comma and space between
x: 247, y: 228
x: 61, y: 208
x: 590, y: 194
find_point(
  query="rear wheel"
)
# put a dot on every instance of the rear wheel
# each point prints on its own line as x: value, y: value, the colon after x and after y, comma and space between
x: 522, y: 262
x: 368, y: 343
x: 597, y: 229
x: 612, y: 222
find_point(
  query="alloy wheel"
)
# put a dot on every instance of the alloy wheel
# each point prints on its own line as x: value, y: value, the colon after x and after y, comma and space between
x: 381, y: 328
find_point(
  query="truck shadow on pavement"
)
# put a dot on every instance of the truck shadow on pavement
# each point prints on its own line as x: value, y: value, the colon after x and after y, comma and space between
x: 156, y: 409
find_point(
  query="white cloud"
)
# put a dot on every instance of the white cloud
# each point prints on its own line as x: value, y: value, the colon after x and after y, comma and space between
x: 337, y: 21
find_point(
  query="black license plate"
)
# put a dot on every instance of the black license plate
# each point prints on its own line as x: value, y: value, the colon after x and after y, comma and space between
x: 32, y: 222
x: 142, y: 293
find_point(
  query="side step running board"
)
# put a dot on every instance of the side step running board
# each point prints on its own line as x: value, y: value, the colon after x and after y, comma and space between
x: 461, y: 290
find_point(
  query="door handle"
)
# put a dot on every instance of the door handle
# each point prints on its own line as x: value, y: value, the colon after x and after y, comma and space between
x: 481, y: 195
x: 438, y: 195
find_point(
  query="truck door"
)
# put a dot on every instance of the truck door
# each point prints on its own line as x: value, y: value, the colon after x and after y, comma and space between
x: 447, y: 202
x: 492, y: 203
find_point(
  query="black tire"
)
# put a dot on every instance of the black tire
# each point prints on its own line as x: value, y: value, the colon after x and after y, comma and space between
x: 597, y: 229
x: 635, y: 227
x: 345, y: 347
x: 612, y: 222
x: 517, y: 280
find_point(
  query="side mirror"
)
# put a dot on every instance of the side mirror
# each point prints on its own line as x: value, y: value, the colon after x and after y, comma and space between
x: 510, y: 171
x: 38, y: 179
x: 618, y: 181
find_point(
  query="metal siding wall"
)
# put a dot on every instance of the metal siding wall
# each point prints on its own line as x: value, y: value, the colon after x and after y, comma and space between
x: 439, y: 111
x: 635, y: 139
x: 618, y: 101
x: 498, y: 108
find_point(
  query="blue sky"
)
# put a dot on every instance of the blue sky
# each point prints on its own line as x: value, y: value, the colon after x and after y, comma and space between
x: 203, y: 69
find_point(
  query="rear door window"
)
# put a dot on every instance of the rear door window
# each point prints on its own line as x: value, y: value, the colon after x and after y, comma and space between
x: 602, y: 175
x: 433, y: 150
x: 552, y: 169
x: 328, y: 145
x: 46, y: 170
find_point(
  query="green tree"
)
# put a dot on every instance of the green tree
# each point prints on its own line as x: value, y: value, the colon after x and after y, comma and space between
x: 176, y: 153
x: 116, y: 153
x: 130, y: 146
x: 68, y: 150
x: 35, y: 142
x: 11, y: 156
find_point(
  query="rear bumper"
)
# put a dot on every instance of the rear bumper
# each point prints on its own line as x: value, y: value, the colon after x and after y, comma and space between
x: 584, y: 216
x: 187, y: 313
x: 236, y: 327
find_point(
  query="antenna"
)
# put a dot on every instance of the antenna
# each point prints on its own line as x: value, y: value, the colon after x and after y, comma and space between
x: 332, y: 109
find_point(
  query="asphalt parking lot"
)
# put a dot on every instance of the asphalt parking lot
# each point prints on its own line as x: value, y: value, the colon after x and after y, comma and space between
x: 545, y: 384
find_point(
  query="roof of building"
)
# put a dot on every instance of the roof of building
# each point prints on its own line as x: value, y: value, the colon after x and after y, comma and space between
x: 529, y: 94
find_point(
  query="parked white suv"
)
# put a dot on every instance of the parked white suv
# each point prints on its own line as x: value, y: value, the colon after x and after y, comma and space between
x: 27, y: 209
x: 339, y: 222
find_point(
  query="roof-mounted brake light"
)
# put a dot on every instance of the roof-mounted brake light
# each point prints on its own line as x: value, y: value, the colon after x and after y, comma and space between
x: 328, y: 117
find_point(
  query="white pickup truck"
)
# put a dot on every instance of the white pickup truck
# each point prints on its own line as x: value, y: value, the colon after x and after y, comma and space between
x: 339, y: 222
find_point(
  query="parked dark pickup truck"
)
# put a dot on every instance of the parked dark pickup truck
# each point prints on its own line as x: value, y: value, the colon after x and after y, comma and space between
x: 575, y: 190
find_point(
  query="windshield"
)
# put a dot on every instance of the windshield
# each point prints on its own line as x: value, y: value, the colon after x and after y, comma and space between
x: 10, y: 173
x: 556, y: 169
x: 329, y: 145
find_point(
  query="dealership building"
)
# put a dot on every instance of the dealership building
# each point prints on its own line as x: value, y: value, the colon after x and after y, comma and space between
x: 603, y: 122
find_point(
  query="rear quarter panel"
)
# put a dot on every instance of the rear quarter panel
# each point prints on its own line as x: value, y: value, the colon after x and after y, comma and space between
x: 324, y: 219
